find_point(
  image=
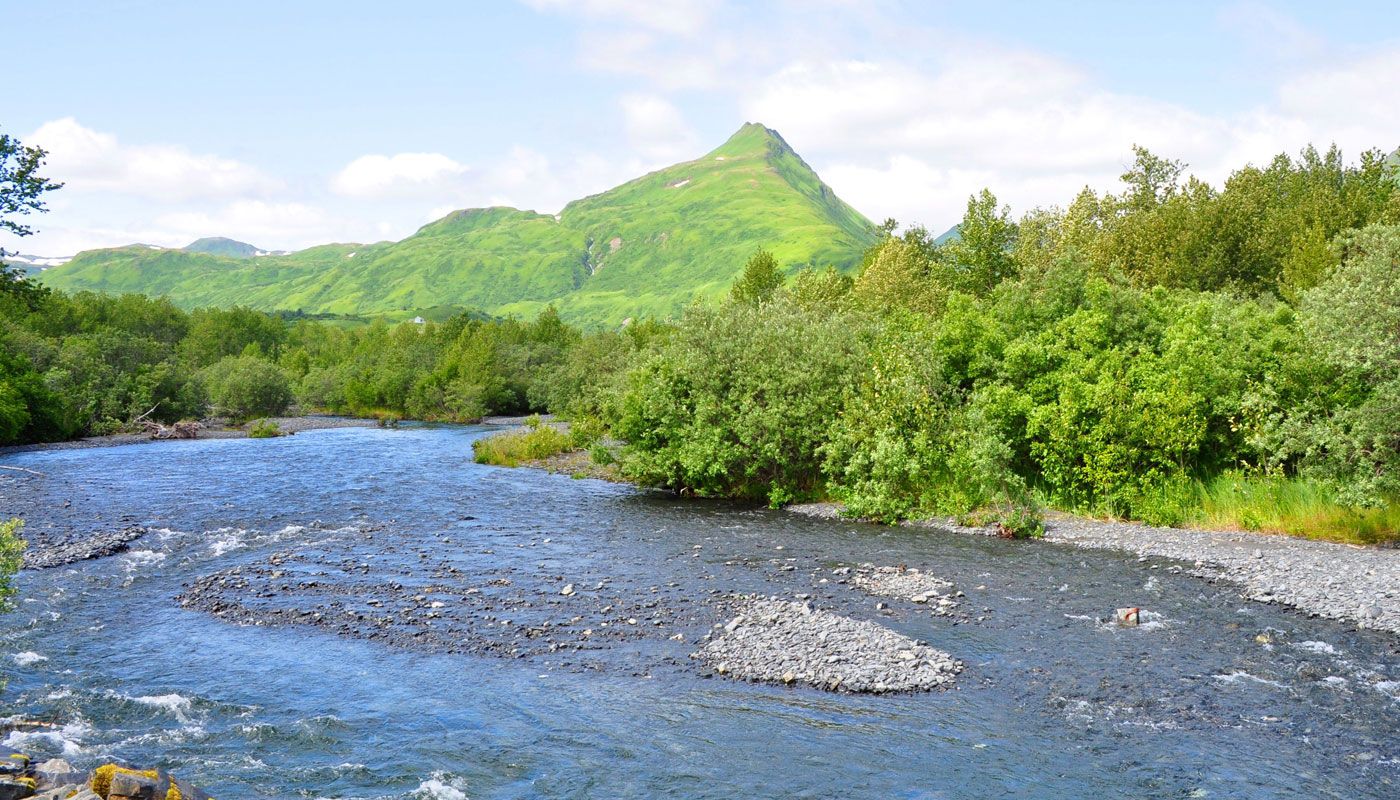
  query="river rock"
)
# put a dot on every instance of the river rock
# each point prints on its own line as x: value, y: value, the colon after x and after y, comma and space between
x: 97, y: 545
x: 58, y: 772
x: 907, y: 583
x: 129, y: 786
x: 779, y: 641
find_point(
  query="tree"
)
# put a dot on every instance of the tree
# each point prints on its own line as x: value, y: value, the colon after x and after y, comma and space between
x: 1151, y: 179
x: 247, y: 386
x: 759, y: 281
x: 21, y: 187
x: 983, y: 250
x: 21, y: 192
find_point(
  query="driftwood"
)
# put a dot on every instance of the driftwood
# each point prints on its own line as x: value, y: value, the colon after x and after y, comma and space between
x: 147, y: 414
x: 180, y: 430
x: 22, y: 469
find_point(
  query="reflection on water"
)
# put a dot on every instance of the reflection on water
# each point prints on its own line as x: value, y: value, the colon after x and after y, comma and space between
x: 1054, y: 702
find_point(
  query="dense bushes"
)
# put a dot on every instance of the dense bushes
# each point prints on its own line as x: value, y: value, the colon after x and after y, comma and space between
x: 736, y: 401
x: 247, y: 386
x: 1175, y: 353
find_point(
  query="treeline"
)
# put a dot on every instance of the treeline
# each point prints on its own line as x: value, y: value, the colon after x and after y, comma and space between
x: 1172, y: 352
x: 83, y: 364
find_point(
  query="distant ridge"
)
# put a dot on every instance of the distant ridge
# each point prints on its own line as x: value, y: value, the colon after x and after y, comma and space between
x: 220, y: 246
x: 646, y: 248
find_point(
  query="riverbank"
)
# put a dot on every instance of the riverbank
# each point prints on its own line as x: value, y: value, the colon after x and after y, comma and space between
x: 1356, y: 584
x: 212, y: 429
x: 1353, y: 583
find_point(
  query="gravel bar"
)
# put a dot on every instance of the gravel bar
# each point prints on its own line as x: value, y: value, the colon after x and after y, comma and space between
x: 780, y: 641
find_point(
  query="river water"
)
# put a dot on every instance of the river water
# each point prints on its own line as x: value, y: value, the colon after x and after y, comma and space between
x: 366, y: 613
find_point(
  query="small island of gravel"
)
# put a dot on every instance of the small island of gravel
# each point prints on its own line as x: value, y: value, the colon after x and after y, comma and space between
x: 782, y: 641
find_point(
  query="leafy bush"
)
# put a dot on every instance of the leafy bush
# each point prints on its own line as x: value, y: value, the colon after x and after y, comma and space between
x: 737, y: 400
x: 11, y: 559
x: 247, y: 386
x: 264, y: 429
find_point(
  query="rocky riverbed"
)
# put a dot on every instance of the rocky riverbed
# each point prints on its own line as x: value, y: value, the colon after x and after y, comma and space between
x: 457, y: 628
x: 1360, y: 585
x: 210, y: 429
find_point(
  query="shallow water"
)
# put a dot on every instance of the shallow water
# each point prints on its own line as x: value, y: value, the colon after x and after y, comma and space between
x: 1215, y: 697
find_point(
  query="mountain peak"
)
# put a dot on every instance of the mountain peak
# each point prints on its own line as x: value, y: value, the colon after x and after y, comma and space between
x: 752, y: 139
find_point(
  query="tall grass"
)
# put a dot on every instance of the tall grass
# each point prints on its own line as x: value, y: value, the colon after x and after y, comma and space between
x: 1296, y: 506
x: 509, y: 449
x: 1262, y: 503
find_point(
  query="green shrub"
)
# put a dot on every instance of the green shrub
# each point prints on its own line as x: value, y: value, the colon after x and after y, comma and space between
x: 737, y: 401
x: 602, y: 455
x: 11, y: 559
x: 510, y: 448
x: 586, y: 432
x: 264, y: 429
x: 247, y: 386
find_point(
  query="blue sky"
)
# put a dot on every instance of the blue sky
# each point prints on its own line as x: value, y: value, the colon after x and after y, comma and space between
x: 292, y: 123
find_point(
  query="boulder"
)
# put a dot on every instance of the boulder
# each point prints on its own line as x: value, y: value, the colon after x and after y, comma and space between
x: 16, y: 788
x: 132, y: 786
x: 57, y: 772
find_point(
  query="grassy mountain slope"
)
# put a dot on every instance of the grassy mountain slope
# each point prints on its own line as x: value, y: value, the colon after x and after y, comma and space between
x: 648, y: 247
x: 221, y: 246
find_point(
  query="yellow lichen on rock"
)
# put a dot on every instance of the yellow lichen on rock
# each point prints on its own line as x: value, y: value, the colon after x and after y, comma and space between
x: 102, y: 777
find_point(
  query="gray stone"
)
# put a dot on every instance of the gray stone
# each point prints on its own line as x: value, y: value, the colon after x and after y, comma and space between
x: 126, y: 786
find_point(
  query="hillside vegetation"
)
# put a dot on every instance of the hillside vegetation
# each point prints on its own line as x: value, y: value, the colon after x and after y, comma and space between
x: 647, y: 248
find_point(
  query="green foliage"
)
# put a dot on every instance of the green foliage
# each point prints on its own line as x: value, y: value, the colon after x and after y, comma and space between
x: 760, y: 280
x: 264, y: 429
x: 644, y: 249
x: 11, y: 559
x: 1353, y: 321
x: 22, y: 189
x: 737, y: 400
x: 247, y: 386
x: 511, y: 448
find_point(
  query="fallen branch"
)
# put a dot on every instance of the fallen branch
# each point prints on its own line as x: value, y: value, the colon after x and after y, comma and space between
x: 147, y: 414
x: 22, y: 469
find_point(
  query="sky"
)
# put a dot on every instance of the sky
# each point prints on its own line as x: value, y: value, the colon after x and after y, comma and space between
x: 288, y: 124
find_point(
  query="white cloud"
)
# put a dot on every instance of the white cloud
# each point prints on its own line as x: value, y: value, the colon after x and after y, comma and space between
x: 91, y: 161
x: 376, y: 174
x: 913, y: 142
x: 656, y: 130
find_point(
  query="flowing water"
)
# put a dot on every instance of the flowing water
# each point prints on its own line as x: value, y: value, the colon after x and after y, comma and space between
x: 367, y: 613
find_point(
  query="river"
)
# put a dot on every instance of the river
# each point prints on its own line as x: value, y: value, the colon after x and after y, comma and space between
x: 365, y: 613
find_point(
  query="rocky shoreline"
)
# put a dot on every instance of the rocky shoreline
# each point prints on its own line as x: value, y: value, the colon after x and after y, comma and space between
x: 1359, y: 585
x: 56, y: 779
x: 211, y: 429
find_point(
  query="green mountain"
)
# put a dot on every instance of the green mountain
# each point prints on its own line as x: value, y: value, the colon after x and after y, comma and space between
x: 220, y: 246
x: 646, y: 248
